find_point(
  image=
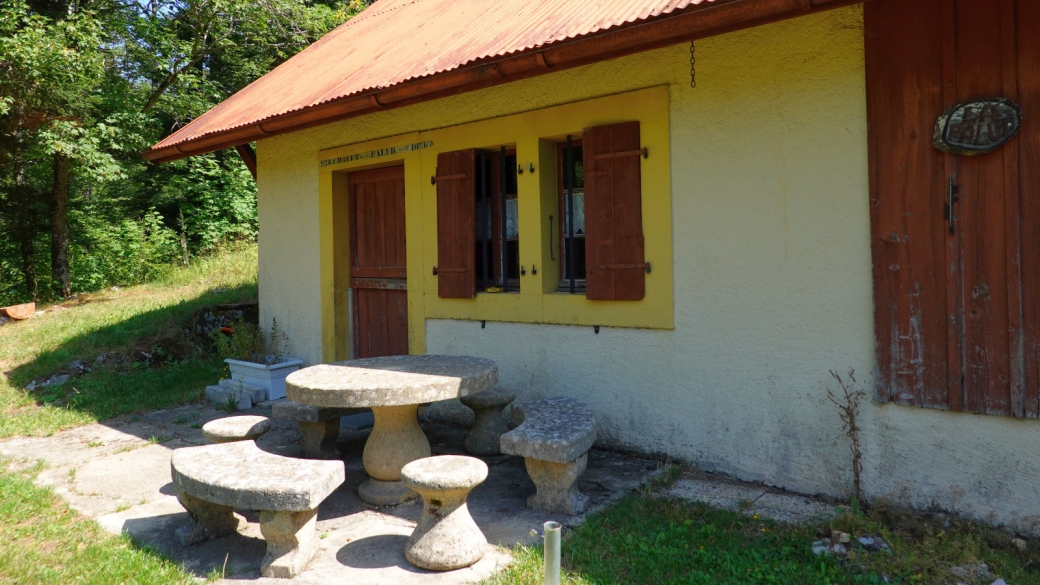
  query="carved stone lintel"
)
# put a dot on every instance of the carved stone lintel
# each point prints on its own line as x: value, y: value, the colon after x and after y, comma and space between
x: 290, y: 540
x: 319, y: 439
x: 208, y: 520
x: 557, y: 491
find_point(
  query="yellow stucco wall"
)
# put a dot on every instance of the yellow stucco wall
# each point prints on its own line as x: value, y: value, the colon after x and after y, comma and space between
x: 533, y: 134
x: 770, y: 275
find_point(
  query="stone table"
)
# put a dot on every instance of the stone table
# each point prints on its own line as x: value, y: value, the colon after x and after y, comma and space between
x: 393, y: 387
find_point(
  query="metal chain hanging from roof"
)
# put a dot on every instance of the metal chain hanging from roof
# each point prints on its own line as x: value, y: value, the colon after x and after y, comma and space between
x: 693, y: 65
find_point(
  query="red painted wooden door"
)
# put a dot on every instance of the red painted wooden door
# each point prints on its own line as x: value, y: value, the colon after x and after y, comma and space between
x: 377, y: 263
x: 954, y: 328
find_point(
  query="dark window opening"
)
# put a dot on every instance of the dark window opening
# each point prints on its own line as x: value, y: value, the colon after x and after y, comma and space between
x: 571, y: 208
x: 497, y: 215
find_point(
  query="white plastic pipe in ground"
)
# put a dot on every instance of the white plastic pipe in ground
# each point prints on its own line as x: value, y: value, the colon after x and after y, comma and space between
x: 552, y: 552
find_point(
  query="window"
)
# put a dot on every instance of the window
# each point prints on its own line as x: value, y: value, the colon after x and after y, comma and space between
x: 497, y: 249
x: 600, y: 201
x: 478, y: 231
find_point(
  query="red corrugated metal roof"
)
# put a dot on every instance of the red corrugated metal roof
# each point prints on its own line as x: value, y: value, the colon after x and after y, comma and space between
x: 393, y: 43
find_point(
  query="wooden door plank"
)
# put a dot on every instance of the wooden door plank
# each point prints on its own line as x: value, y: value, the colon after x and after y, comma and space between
x: 982, y: 221
x: 908, y: 243
x: 1028, y: 141
x: 400, y: 345
x: 954, y: 274
x: 1012, y: 218
x: 378, y: 262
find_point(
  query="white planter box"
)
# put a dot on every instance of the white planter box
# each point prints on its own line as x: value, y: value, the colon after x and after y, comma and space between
x: 270, y: 377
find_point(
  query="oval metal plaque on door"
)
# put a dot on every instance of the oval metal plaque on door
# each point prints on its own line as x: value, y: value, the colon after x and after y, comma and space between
x: 977, y: 127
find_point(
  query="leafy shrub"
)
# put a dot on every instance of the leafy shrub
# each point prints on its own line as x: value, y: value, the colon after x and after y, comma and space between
x: 248, y: 342
x: 125, y: 252
x: 218, y: 201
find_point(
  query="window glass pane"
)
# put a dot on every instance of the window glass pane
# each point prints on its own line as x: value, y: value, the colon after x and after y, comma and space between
x: 512, y: 224
x: 579, y: 213
x: 483, y: 220
x: 571, y: 247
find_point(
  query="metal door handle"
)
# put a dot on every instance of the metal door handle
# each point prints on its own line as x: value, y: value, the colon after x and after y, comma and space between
x: 951, y: 198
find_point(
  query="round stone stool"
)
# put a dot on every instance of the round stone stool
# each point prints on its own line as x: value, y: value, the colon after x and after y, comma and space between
x: 488, y: 422
x: 446, y: 536
x: 236, y: 428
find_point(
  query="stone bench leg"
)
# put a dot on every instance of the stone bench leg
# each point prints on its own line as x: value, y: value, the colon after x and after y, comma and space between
x: 489, y: 425
x: 319, y: 439
x: 446, y: 537
x: 290, y: 540
x: 208, y: 520
x: 557, y: 491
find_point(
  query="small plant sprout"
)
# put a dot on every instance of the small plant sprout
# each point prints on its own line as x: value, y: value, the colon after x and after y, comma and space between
x: 231, y: 403
x: 324, y: 535
x: 180, y: 420
x: 93, y: 444
x: 72, y: 475
x: 848, y: 411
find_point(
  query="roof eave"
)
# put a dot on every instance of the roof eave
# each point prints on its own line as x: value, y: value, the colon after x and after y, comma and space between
x: 700, y: 21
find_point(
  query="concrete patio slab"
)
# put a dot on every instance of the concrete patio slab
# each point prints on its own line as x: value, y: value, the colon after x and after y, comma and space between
x: 749, y: 498
x: 119, y: 474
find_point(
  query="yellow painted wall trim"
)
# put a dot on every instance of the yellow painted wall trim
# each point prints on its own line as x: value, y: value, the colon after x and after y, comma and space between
x: 534, y: 135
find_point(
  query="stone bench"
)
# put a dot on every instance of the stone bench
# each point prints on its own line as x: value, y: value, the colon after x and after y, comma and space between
x: 236, y: 428
x: 446, y: 537
x: 212, y: 480
x: 553, y: 436
x: 319, y: 426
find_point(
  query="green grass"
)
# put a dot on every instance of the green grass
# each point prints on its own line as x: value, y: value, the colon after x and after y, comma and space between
x: 43, y: 542
x: 926, y: 545
x: 648, y: 539
x: 653, y: 540
x: 121, y: 321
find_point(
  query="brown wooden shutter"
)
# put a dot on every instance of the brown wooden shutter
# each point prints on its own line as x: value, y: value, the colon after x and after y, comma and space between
x: 456, y: 224
x: 614, y: 259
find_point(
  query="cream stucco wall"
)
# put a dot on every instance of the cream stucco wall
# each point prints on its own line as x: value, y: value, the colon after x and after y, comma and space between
x: 772, y: 280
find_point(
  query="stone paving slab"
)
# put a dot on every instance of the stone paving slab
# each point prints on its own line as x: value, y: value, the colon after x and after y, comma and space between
x: 749, y: 498
x: 89, y: 467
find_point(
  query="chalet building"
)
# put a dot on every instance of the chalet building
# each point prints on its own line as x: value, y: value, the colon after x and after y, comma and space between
x: 685, y: 213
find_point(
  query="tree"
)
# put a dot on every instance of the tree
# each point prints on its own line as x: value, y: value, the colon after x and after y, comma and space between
x: 52, y: 70
x: 86, y: 85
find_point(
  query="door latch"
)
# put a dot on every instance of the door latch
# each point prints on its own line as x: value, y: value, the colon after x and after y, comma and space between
x: 951, y: 198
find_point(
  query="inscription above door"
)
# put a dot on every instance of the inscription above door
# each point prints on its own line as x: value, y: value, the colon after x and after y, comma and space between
x: 977, y: 127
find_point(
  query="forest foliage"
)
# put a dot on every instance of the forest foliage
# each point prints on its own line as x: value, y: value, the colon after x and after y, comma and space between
x: 85, y: 87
